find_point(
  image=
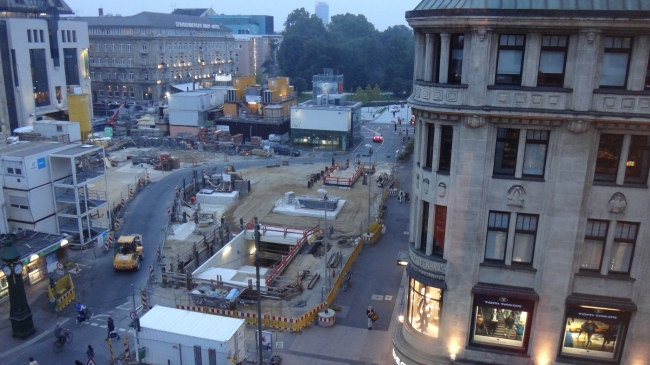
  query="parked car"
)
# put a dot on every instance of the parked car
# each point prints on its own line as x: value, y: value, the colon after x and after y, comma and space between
x: 377, y: 137
x: 286, y: 151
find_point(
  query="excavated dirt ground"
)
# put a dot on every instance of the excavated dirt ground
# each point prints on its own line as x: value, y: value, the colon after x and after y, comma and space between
x: 269, y: 184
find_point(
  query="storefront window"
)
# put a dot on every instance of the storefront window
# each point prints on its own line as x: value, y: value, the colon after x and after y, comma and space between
x: 424, y: 308
x: 4, y: 286
x: 33, y: 272
x: 593, y: 332
x: 501, y: 321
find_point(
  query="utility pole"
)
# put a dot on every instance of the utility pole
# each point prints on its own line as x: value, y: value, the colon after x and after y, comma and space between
x: 259, y: 295
x: 136, y: 325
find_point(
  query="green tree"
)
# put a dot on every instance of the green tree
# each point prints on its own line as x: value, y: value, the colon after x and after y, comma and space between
x: 299, y: 84
x: 397, y: 86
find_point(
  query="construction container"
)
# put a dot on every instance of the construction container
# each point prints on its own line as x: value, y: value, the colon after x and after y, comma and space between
x: 62, y: 294
x: 174, y: 336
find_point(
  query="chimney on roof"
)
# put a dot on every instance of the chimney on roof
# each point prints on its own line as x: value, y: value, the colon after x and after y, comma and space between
x: 101, y: 11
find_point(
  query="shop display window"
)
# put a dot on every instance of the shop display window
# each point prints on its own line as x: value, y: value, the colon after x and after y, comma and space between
x: 592, y: 332
x: 501, y: 322
x: 4, y: 286
x: 424, y: 308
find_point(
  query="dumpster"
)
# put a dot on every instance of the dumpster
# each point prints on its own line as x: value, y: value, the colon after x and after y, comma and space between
x: 62, y: 293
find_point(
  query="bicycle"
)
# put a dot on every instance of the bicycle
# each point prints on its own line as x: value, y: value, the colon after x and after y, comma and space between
x: 86, y: 316
x: 60, y: 342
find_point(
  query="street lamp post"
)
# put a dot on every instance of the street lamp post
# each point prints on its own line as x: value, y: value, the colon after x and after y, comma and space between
x: 325, y: 238
x: 368, y: 181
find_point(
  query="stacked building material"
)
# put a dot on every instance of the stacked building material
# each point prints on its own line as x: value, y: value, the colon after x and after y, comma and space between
x: 256, y: 141
x: 204, y: 134
x: 222, y: 136
x: 238, y: 138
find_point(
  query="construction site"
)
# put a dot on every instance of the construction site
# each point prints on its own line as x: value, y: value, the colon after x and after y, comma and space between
x: 207, y: 262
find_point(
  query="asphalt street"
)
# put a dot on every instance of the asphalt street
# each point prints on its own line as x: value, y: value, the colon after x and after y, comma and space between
x: 108, y: 292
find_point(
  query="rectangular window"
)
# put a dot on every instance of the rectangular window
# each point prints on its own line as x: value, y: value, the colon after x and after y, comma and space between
x: 425, y: 223
x: 446, y: 137
x: 112, y: 47
x: 497, y: 236
x: 121, y: 48
x: 424, y: 308
x: 106, y: 60
x: 40, y: 32
x: 623, y: 247
x: 505, y: 156
x: 439, y: 228
x: 106, y: 48
x: 29, y: 36
x: 122, y: 62
x: 430, y: 141
x: 131, y: 92
x: 131, y: 78
x: 128, y: 47
x: 15, y: 67
x: 19, y: 202
x: 609, y: 152
x: 638, y: 161
x: 535, y: 152
x: 38, y: 65
x: 58, y: 94
x: 592, y: 250
x: 74, y: 35
x: 616, y: 60
x: 552, y: 60
x: 594, y: 332
x: 501, y: 322
x: 129, y: 61
x: 71, y: 65
x: 510, y: 59
x: 525, y: 233
x: 92, y: 75
x: 144, y: 61
x: 124, y: 92
x: 144, y: 47
x: 36, y: 36
x: 456, y: 47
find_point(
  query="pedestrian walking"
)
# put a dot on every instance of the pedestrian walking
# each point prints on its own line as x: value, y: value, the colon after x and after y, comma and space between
x: 400, y: 196
x: 406, y: 196
x: 111, y: 328
x: 32, y: 361
x: 90, y: 352
x: 370, y: 313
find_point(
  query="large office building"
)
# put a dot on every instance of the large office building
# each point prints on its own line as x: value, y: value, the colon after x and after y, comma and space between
x: 142, y: 58
x: 323, y: 11
x: 43, y: 60
x: 530, y: 212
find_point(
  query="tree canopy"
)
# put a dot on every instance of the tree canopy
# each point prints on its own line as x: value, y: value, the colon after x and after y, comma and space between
x: 351, y: 45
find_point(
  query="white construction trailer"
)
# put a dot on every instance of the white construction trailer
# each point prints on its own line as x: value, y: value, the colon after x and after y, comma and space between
x: 175, y: 336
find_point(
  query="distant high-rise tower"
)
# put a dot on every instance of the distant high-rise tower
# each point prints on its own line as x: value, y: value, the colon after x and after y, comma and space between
x: 323, y: 11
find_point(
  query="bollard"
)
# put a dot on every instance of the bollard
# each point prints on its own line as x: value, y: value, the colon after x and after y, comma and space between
x: 76, y: 269
x: 144, y: 298
x: 110, y: 347
x: 151, y: 271
x: 130, y: 193
x: 127, y: 352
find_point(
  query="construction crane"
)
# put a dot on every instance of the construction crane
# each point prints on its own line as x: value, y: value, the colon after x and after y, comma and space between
x: 113, y: 119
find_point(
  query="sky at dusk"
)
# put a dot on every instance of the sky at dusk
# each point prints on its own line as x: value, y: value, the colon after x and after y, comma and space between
x: 382, y: 13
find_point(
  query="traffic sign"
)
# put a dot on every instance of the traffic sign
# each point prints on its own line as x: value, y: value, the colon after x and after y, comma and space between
x: 91, y: 361
x: 60, y: 272
x: 133, y: 315
x: 59, y: 266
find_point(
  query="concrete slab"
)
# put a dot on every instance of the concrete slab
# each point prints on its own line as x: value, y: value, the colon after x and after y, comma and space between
x: 297, y: 211
x: 182, y: 231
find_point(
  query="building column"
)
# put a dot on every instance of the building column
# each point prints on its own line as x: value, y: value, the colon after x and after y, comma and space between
x: 531, y: 59
x: 521, y: 149
x: 479, y: 68
x: 417, y: 241
x: 585, y: 73
x: 437, y: 138
x: 638, y: 63
x: 622, y: 161
x: 611, y: 230
x: 428, y: 58
x: 430, y: 226
x: 443, y: 76
x: 419, y: 54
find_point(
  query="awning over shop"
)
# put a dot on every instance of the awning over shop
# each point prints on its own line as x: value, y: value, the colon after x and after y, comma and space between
x: 497, y: 290
x: 623, y: 304
x: 428, y: 281
x: 187, y: 86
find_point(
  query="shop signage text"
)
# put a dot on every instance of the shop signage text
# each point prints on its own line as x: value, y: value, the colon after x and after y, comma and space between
x: 197, y: 25
x: 398, y: 361
x: 433, y: 269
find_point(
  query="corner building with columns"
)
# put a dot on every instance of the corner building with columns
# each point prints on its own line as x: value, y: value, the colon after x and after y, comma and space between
x: 529, y: 236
